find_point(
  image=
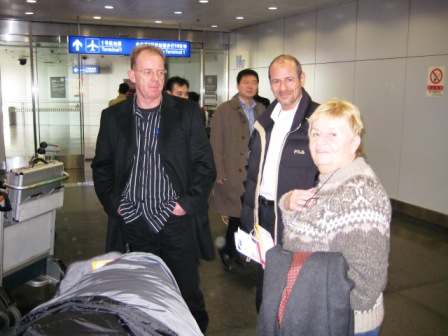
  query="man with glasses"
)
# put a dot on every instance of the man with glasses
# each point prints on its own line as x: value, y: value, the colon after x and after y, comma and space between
x: 152, y: 171
x: 279, y: 157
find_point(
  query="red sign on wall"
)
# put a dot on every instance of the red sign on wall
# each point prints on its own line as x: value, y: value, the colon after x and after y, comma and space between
x: 435, y: 80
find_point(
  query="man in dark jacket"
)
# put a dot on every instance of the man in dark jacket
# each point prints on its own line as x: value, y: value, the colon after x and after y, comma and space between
x: 153, y: 169
x: 279, y: 159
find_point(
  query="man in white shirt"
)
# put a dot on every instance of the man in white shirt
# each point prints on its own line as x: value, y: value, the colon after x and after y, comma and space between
x: 279, y: 159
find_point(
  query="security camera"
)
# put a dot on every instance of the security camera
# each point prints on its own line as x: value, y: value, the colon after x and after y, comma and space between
x: 22, y: 61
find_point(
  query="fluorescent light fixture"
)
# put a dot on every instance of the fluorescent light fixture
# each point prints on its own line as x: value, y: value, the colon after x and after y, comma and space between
x: 178, y: 12
x: 272, y: 8
x: 158, y: 21
x: 240, y: 18
x: 31, y: 1
x: 29, y: 13
x: 214, y: 26
x: 203, y: 1
x: 97, y: 17
x: 109, y: 7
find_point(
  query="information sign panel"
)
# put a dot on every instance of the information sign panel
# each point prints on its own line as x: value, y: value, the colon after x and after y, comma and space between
x: 123, y: 46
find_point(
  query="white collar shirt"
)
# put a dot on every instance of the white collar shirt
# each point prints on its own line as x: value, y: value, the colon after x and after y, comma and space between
x: 282, y: 126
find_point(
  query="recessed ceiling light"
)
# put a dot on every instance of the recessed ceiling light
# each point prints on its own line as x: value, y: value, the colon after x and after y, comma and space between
x: 97, y: 17
x: 109, y: 7
x: 29, y: 13
x: 240, y: 18
x: 158, y: 21
x: 178, y: 12
x: 203, y: 1
x: 272, y: 8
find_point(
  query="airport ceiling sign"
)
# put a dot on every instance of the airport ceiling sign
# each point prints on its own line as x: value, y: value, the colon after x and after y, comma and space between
x: 123, y: 46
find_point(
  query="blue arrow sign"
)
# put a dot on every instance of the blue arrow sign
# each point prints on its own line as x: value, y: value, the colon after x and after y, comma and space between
x: 77, y: 44
x: 87, y: 69
x: 123, y: 46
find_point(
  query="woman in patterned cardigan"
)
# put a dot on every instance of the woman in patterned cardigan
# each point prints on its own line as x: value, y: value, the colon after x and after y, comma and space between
x: 348, y: 211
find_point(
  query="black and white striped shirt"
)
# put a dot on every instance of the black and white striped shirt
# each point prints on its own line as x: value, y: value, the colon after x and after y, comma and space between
x: 149, y: 192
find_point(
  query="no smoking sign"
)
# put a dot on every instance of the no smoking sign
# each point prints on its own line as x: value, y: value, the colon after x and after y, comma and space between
x: 435, y: 80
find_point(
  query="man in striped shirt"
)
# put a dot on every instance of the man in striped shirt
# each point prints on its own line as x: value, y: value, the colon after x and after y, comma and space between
x: 153, y: 169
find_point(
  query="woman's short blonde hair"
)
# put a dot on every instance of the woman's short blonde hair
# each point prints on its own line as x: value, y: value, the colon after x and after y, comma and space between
x: 339, y: 109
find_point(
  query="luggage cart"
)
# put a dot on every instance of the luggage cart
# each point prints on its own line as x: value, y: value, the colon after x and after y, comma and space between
x: 27, y: 231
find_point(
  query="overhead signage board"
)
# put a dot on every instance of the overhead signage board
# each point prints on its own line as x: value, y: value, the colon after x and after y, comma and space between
x: 123, y: 46
x: 86, y: 69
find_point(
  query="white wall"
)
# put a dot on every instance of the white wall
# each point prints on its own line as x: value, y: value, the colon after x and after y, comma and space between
x: 375, y: 53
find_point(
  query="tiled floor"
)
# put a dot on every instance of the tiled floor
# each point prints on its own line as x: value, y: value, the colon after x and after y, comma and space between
x: 416, y: 297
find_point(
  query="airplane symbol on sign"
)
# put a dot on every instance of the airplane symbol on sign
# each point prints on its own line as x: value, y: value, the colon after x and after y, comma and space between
x: 92, y: 47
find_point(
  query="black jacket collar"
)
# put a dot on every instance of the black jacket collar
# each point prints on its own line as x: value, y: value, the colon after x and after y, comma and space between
x: 302, y: 113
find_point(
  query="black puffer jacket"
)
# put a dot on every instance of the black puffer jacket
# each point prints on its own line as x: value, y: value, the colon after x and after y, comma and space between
x: 296, y: 168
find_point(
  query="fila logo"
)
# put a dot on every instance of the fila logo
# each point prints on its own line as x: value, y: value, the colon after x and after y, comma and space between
x: 299, y: 151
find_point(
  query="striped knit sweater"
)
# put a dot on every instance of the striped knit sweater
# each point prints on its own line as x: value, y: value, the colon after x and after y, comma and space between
x: 351, y: 215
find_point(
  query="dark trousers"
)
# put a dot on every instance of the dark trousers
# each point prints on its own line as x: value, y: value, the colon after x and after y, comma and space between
x: 115, y: 239
x: 176, y: 245
x: 230, y: 248
x: 266, y: 217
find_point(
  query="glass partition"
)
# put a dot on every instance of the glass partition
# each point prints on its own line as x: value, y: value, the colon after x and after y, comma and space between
x: 40, y: 99
x: 48, y: 97
x: 17, y: 98
x: 58, y: 105
x: 216, y: 82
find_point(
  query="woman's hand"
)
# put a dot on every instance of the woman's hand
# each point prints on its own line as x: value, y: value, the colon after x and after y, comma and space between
x: 298, y: 200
